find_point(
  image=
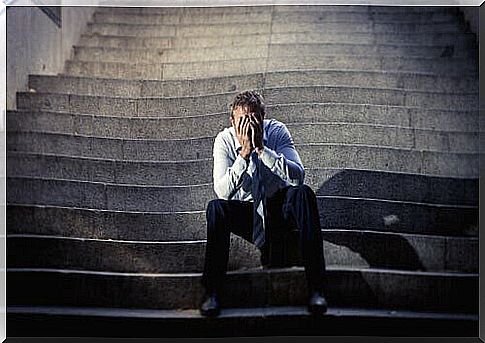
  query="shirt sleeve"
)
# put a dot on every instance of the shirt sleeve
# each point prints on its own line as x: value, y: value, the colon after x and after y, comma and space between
x: 228, y: 175
x: 284, y: 161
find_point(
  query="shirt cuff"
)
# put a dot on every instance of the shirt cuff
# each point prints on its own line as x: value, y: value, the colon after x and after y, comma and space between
x: 268, y: 157
x: 240, y: 165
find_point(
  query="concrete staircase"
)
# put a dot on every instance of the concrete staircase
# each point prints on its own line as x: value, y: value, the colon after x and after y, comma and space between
x: 110, y: 168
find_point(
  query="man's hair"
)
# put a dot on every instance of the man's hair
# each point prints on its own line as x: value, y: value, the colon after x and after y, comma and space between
x: 249, y: 99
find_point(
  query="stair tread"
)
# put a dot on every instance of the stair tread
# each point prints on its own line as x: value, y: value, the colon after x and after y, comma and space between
x: 259, y: 312
x: 254, y: 271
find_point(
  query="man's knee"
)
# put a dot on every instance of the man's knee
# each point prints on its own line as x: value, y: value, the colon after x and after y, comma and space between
x: 303, y: 190
x: 215, y: 207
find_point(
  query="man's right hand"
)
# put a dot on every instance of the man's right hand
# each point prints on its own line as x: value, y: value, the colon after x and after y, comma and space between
x: 242, y: 129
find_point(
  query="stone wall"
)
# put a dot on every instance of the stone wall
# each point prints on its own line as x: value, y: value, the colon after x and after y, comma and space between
x: 471, y: 15
x: 36, y: 45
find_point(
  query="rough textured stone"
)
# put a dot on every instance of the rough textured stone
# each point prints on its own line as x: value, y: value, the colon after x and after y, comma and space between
x: 365, y: 27
x: 150, y: 18
x: 384, y: 117
x: 77, y: 222
x: 130, y: 88
x: 358, y: 249
x: 124, y: 41
x: 311, y: 16
x: 373, y: 288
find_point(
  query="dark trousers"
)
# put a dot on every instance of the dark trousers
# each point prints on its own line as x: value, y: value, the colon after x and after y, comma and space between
x: 290, y: 207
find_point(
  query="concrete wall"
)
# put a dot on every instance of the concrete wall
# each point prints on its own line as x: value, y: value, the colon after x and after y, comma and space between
x: 36, y: 45
x: 471, y: 15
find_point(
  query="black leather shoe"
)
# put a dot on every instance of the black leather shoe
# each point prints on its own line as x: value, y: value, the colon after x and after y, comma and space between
x: 318, y: 304
x: 211, y: 307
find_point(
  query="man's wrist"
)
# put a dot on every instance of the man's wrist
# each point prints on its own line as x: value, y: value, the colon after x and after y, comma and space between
x: 260, y: 150
x: 245, y: 153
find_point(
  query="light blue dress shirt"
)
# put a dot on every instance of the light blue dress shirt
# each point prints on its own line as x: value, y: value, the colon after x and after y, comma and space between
x: 281, y: 164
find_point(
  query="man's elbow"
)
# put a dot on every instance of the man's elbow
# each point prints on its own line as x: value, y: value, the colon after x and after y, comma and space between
x: 221, y: 192
x: 299, y: 178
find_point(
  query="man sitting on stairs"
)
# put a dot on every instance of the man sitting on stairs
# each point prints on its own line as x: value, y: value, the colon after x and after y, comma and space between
x: 258, y: 178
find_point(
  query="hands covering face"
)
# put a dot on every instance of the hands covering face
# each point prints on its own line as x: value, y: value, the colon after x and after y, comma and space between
x: 249, y: 132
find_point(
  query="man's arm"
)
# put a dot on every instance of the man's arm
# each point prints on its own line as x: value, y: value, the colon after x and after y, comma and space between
x: 284, y: 161
x: 228, y: 175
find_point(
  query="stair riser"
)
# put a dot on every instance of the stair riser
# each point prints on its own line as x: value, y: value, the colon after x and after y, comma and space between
x: 167, y: 56
x: 178, y: 31
x: 322, y: 16
x: 312, y: 156
x: 216, y: 103
x: 188, y: 127
x: 45, y: 220
x: 264, y: 27
x: 467, y: 40
x: 137, y: 173
x: 127, y: 88
x: 432, y: 49
x: 244, y: 11
x: 265, y: 18
x: 249, y: 10
x: 261, y: 322
x: 220, y: 68
x: 180, y: 56
x: 106, y: 224
x: 374, y: 185
x: 314, y: 37
x: 123, y: 42
x: 395, y: 137
x: 372, y: 289
x: 360, y: 250
x: 361, y: 8
x: 425, y: 17
x: 334, y: 211
x: 173, y: 19
x: 192, y: 11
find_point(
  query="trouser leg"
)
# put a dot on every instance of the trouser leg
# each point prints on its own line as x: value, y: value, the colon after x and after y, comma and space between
x: 300, y: 205
x: 223, y: 217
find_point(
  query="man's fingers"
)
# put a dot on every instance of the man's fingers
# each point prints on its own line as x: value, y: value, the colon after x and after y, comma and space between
x: 239, y: 125
x: 246, y: 126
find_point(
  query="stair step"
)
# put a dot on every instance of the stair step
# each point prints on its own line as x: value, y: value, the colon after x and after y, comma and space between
x: 214, y: 103
x: 221, y: 10
x: 166, y: 226
x: 457, y: 39
x: 360, y: 249
x: 162, y: 29
x: 304, y: 133
x: 128, y: 41
x: 326, y: 181
x: 309, y: 15
x: 313, y: 155
x: 206, y: 69
x: 335, y: 210
x: 172, y: 19
x: 192, y: 126
x: 265, y: 321
x: 396, y: 49
x: 274, y: 52
x: 374, y: 288
x: 248, y: 18
x: 356, y: 78
x: 249, y: 10
x: 179, y: 31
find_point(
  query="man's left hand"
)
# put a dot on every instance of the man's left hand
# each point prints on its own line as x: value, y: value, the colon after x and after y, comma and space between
x: 257, y: 132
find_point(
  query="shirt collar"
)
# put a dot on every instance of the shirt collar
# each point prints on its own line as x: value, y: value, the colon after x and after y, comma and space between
x: 265, y: 135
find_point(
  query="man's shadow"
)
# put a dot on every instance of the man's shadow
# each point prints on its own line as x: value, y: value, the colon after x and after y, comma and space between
x: 380, y: 220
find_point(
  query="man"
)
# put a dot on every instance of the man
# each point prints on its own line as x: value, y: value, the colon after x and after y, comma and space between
x: 258, y: 178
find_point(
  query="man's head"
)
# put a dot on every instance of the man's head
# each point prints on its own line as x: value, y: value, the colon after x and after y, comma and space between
x: 245, y: 103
